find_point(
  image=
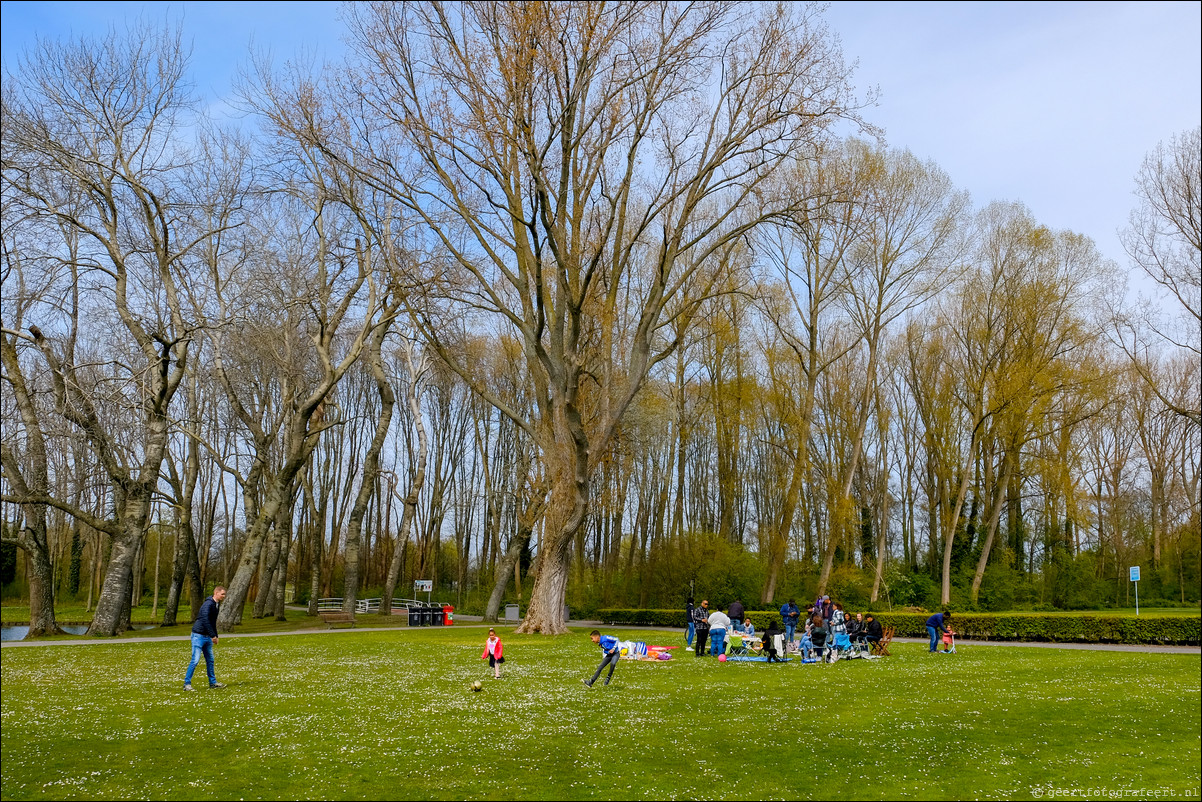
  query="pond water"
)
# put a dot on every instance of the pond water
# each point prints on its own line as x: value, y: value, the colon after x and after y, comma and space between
x: 19, y: 632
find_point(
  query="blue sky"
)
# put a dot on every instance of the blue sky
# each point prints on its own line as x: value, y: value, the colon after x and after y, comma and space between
x: 1051, y: 104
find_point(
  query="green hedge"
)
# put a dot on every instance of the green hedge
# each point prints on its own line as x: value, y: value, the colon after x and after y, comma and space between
x: 1176, y: 630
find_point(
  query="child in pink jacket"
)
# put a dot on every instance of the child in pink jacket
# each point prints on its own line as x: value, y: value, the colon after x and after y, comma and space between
x: 494, y: 651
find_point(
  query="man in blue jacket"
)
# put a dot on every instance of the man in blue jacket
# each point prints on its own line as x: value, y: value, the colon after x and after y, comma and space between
x: 790, y: 614
x: 935, y: 627
x: 609, y: 650
x: 204, y: 635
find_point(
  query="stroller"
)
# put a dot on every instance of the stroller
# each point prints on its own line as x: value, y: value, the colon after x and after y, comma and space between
x: 843, y: 648
x: 949, y: 642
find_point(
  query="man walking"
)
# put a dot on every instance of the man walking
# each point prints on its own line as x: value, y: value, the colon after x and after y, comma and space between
x: 204, y: 635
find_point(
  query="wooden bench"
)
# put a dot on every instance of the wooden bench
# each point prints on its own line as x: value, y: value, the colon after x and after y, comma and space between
x: 335, y: 617
x: 881, y: 647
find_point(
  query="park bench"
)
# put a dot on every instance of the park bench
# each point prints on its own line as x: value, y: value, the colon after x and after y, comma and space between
x: 333, y: 618
x: 881, y: 647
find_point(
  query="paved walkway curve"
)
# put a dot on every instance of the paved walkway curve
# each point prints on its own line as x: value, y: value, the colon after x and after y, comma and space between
x: 473, y: 622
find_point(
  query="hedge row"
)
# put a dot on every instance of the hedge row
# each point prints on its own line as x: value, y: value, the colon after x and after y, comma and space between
x: 1176, y: 630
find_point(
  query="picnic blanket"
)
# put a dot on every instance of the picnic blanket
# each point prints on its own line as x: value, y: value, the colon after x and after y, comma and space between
x: 754, y: 659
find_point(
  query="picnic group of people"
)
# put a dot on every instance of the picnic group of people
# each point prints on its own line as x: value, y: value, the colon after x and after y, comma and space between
x: 823, y: 621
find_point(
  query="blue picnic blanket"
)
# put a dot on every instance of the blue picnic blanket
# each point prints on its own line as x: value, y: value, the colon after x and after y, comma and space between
x: 753, y: 659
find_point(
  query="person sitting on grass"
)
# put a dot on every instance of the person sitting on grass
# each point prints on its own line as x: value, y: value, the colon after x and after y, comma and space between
x: 610, y: 654
x: 936, y: 626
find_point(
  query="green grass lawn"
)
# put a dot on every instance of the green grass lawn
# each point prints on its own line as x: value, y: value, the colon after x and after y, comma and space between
x: 389, y: 715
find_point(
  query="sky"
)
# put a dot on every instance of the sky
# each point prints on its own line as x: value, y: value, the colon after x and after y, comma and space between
x: 1051, y: 104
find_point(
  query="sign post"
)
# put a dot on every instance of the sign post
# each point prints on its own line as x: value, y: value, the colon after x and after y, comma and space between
x: 423, y: 584
x: 1135, y: 579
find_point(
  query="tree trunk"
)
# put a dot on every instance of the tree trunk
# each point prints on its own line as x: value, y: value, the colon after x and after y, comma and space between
x: 505, y: 570
x: 995, y: 515
x: 371, y: 469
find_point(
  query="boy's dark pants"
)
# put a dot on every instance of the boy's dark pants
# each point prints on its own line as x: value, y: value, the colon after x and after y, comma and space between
x: 612, y: 659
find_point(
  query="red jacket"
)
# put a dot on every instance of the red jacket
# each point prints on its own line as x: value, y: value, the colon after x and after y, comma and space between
x: 497, y: 648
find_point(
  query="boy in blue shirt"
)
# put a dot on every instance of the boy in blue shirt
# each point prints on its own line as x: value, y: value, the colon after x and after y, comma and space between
x: 609, y: 648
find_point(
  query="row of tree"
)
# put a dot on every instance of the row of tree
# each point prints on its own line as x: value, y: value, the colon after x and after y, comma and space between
x: 598, y: 297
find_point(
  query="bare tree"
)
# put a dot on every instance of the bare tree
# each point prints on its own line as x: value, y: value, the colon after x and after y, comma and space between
x: 94, y: 141
x: 1164, y: 239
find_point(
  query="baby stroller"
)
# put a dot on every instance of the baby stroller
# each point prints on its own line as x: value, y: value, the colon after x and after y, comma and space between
x: 842, y: 648
x: 949, y: 642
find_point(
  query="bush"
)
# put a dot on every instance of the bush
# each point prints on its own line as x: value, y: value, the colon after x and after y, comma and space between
x: 1176, y: 630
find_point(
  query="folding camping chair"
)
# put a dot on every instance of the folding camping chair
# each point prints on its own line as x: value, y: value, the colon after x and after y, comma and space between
x: 880, y: 648
x: 737, y: 647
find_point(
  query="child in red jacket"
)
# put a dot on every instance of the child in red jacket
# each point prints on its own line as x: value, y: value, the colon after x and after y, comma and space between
x: 494, y: 651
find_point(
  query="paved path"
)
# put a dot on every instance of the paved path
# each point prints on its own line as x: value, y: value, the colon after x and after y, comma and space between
x: 475, y: 622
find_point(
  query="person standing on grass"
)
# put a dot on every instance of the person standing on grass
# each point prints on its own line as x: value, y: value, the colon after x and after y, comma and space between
x: 204, y: 635
x: 790, y: 615
x: 688, y: 619
x: 719, y: 626
x: 494, y: 650
x: 701, y: 623
x: 610, y: 655
x: 936, y: 626
x: 737, y: 613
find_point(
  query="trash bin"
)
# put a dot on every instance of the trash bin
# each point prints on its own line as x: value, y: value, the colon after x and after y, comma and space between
x: 511, y: 613
x: 448, y: 614
x: 436, y: 616
x: 567, y: 614
x: 415, y: 617
x: 427, y: 616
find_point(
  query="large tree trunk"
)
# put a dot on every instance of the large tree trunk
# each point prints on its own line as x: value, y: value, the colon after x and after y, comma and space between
x: 544, y: 614
x: 371, y: 469
x: 269, y: 567
x: 505, y: 571
x: 417, y: 367
x: 995, y: 515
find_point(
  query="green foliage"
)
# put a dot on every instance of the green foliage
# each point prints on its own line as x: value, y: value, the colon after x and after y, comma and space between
x: 1056, y: 628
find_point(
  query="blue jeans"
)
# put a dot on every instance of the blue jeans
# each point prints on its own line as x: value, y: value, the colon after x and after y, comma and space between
x: 790, y: 628
x: 201, y: 644
x: 717, y: 641
x: 688, y: 639
x: 934, y: 633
